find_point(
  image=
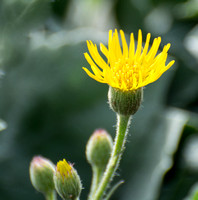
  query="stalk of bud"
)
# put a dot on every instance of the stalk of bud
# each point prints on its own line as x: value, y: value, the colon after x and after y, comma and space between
x: 98, y: 151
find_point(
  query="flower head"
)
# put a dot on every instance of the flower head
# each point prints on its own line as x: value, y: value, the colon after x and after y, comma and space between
x: 67, y: 181
x: 127, y: 69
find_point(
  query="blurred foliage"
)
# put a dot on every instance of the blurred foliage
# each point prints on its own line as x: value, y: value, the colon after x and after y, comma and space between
x: 51, y: 106
x: 193, y: 193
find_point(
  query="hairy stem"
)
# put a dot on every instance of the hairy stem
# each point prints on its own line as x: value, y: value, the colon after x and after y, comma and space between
x: 118, y: 147
x: 97, y: 174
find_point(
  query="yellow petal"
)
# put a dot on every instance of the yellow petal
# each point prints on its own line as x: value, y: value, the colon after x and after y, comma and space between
x: 146, y: 45
x: 117, y: 44
x: 139, y: 45
x: 124, y: 44
x: 153, y: 49
x: 95, y: 55
x: 104, y: 50
x: 93, y: 76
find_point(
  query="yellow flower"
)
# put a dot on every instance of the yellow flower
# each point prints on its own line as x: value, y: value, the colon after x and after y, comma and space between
x: 64, y: 168
x: 127, y: 69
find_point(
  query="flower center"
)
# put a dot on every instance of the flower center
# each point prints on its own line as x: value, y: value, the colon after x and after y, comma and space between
x: 125, y: 73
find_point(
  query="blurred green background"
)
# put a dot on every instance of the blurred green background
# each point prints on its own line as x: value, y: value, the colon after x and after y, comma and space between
x: 51, y: 107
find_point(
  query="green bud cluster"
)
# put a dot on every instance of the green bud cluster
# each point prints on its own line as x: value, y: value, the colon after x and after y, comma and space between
x: 46, y: 178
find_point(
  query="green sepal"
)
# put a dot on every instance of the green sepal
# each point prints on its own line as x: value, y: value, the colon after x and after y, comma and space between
x: 125, y: 102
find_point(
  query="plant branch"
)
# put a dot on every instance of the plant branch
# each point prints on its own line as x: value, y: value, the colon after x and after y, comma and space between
x: 118, y: 147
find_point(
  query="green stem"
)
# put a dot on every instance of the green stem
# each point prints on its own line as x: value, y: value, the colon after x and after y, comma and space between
x: 113, y: 189
x: 116, y: 155
x: 51, y: 195
x: 97, y: 173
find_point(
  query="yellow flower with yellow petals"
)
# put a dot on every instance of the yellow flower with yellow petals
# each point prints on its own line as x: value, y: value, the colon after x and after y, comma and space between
x: 127, y: 69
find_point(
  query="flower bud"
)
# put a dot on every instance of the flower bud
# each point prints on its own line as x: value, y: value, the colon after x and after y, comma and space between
x: 99, y: 148
x: 67, y: 181
x: 41, y: 174
x: 125, y: 102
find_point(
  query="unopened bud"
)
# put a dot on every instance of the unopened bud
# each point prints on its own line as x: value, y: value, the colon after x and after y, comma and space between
x: 41, y: 174
x: 99, y: 148
x: 125, y: 102
x: 67, y: 181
